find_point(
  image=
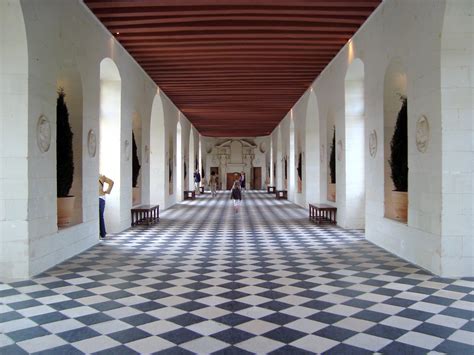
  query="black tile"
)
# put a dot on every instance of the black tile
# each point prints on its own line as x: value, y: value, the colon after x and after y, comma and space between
x: 347, y: 349
x: 28, y: 333
x: 176, y: 350
x: 233, y: 319
x: 401, y: 348
x: 74, y: 335
x: 317, y: 305
x: 453, y: 347
x: 8, y: 316
x: 24, y: 304
x: 325, y: 317
x: 415, y: 314
x: 435, y: 330
x: 186, y: 319
x: 232, y: 336
x: 180, y: 336
x: 139, y: 319
x: 231, y: 350
x: 284, y: 335
x: 60, y: 350
x: 94, y: 318
x: 385, y: 331
x: 106, y: 306
x: 12, y: 349
x: 288, y: 349
x: 371, y: 316
x: 61, y: 306
x: 48, y: 318
x: 129, y: 335
x: 118, y: 350
x: 148, y: 306
x: 335, y: 333
x: 279, y: 318
x: 458, y: 313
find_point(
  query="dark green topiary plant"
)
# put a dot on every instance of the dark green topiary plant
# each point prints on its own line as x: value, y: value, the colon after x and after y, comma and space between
x: 399, y: 150
x: 332, y: 158
x: 64, y: 152
x: 299, y: 169
x: 135, y: 162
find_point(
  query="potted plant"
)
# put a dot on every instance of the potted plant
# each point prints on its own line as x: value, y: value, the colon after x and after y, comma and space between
x: 136, y: 194
x: 299, y: 170
x: 64, y: 162
x: 332, y: 169
x: 399, y: 163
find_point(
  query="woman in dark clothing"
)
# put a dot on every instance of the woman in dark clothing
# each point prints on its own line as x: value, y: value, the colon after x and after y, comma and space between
x: 236, y: 196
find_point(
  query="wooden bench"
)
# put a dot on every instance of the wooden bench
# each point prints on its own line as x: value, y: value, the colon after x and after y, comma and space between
x: 145, y: 214
x: 189, y: 195
x: 282, y: 194
x: 320, y: 213
x: 271, y: 189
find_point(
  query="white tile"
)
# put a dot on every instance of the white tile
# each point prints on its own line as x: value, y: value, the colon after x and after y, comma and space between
x: 358, y: 325
x: 111, y: 326
x: 62, y: 326
x: 314, y: 343
x: 204, y: 345
x: 306, y: 325
x: 463, y: 336
x: 150, y: 345
x: 207, y: 327
x: 257, y: 326
x: 95, y: 344
x: 41, y: 343
x: 447, y: 321
x: 259, y: 345
x: 420, y: 340
x: 366, y: 341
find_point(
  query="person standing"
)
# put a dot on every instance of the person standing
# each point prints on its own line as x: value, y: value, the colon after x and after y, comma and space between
x: 102, y: 192
x: 197, y: 181
x: 242, y: 180
x: 213, y: 183
x: 236, y: 196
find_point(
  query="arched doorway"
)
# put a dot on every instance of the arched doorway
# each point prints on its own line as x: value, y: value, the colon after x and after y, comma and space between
x: 354, y: 158
x: 395, y: 91
x: 110, y: 138
x: 313, y: 159
x: 179, y: 163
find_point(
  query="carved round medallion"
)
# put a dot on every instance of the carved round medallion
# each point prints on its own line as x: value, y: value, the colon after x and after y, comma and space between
x: 43, y: 134
x: 263, y: 147
x: 91, y: 143
x: 422, y: 134
x: 373, y: 143
x: 339, y: 150
x: 126, y: 149
x: 147, y: 153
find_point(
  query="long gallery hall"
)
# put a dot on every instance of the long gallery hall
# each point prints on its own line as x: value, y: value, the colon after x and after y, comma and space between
x: 263, y: 280
x: 236, y: 177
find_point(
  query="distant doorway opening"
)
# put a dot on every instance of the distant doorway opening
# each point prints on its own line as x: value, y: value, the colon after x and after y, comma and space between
x: 257, y: 178
x: 231, y: 177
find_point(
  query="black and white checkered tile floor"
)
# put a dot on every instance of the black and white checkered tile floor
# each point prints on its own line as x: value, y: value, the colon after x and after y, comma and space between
x: 265, y: 280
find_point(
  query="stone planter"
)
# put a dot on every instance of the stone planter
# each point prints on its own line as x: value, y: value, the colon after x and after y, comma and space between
x: 65, y: 210
x: 400, y: 205
x: 332, y: 192
x: 136, y: 196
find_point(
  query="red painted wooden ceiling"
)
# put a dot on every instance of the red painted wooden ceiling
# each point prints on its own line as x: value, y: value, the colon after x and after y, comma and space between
x: 233, y: 67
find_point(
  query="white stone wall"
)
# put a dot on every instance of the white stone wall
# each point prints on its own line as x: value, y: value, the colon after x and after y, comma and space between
x: 438, y: 235
x: 457, y: 110
x: 59, y: 36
